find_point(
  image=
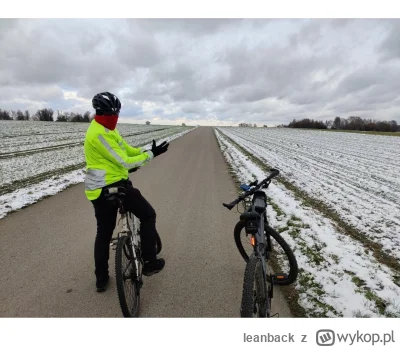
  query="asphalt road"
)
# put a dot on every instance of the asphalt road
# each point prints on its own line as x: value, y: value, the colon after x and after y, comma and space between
x: 46, y: 249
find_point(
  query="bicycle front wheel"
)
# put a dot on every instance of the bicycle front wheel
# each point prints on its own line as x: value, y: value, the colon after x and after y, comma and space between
x: 128, y: 287
x: 281, y: 253
x: 256, y: 300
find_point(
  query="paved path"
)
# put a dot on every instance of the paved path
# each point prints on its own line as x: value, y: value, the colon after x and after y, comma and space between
x: 46, y: 250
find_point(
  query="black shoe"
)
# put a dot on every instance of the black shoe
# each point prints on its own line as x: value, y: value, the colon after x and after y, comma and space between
x: 151, y: 268
x: 102, y: 284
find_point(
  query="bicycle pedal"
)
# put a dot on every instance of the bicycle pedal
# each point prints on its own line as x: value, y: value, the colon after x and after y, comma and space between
x: 280, y: 277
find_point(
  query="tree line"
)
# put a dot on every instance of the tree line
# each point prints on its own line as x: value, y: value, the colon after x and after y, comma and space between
x: 251, y: 125
x: 351, y: 123
x: 46, y: 115
x: 356, y: 123
x: 307, y: 124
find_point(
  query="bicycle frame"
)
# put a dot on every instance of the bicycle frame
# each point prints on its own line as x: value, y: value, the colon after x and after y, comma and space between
x: 261, y: 245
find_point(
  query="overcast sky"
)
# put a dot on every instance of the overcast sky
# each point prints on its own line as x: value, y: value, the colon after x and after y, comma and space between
x: 205, y: 71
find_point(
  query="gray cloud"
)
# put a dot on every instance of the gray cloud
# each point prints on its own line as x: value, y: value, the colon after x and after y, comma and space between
x: 265, y: 71
x: 391, y: 45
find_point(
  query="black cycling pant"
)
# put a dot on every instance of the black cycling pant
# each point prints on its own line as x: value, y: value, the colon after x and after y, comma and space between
x: 106, y: 216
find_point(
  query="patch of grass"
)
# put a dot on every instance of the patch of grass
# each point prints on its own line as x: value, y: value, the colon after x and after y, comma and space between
x: 312, y: 253
x: 276, y: 208
x: 294, y: 233
x: 295, y: 219
x: 335, y: 258
x: 358, y: 281
x: 379, y: 303
x: 282, y: 229
x: 351, y: 273
x: 358, y: 314
x: 292, y: 223
x: 321, y: 310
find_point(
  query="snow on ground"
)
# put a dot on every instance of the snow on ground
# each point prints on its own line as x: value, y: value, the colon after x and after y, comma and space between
x: 22, y: 167
x: 357, y: 175
x: 338, y: 276
x: 28, y: 135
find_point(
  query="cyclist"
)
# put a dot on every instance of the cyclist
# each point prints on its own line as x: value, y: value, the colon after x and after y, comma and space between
x: 108, y: 160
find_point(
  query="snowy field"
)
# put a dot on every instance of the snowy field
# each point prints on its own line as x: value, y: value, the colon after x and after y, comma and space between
x: 38, y: 159
x: 338, y: 276
x: 356, y: 175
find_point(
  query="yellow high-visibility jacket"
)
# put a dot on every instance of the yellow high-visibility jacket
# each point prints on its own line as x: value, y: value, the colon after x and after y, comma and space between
x: 108, y: 158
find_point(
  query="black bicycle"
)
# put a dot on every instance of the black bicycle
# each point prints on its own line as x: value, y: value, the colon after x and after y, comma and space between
x: 128, y: 255
x: 253, y: 230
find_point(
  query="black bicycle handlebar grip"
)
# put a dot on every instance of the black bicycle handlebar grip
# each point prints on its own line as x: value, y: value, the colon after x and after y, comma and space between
x: 228, y: 206
x: 274, y: 173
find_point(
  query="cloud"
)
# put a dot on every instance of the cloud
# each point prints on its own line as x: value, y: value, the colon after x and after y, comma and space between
x: 204, y: 70
x: 390, y: 47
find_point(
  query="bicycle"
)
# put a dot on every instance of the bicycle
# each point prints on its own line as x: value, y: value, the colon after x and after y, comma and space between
x: 258, y: 278
x: 128, y: 254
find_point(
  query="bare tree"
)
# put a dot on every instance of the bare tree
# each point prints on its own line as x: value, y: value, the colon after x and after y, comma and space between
x: 20, y: 115
x: 45, y: 115
x: 5, y: 115
x: 393, y: 125
x: 336, y: 123
x: 86, y: 117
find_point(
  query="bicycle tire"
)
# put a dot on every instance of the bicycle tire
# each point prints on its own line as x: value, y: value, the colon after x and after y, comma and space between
x: 158, y: 244
x: 123, y: 249
x: 254, y: 291
x: 293, y: 272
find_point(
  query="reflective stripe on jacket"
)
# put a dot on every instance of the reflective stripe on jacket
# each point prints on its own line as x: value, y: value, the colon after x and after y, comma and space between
x: 108, y: 158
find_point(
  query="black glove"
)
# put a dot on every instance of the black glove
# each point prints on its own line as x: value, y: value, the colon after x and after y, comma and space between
x: 160, y: 149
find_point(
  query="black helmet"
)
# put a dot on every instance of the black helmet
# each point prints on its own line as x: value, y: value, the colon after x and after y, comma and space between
x: 106, y: 103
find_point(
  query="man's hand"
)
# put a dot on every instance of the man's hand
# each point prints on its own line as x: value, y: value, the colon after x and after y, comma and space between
x: 160, y: 149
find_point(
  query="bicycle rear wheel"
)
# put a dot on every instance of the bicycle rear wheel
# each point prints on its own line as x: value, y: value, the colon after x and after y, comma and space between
x: 279, y: 250
x: 256, y: 301
x: 128, y: 287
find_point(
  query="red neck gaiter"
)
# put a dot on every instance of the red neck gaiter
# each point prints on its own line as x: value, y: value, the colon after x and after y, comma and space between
x: 108, y: 121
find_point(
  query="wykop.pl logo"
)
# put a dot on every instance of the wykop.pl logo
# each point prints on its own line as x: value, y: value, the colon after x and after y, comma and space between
x: 325, y: 337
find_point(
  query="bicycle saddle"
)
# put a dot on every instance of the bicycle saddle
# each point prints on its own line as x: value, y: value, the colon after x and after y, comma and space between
x: 114, y: 192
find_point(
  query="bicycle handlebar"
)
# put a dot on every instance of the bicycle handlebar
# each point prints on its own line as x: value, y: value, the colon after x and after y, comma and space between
x: 257, y: 186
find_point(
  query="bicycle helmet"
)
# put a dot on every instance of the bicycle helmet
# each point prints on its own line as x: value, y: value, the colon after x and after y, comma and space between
x: 106, y: 103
